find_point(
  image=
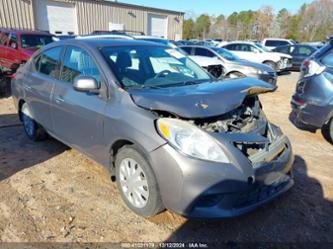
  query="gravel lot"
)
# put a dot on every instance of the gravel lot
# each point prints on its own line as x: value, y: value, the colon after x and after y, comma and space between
x: 49, y: 192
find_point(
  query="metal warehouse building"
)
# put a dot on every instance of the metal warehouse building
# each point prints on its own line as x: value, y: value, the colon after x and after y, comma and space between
x: 86, y: 16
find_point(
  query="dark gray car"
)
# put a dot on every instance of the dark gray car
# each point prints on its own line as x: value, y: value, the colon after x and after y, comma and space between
x: 171, y: 136
x: 298, y: 52
x: 313, y: 101
x: 234, y: 67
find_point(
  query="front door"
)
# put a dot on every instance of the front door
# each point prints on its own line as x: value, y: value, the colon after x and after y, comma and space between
x: 78, y: 116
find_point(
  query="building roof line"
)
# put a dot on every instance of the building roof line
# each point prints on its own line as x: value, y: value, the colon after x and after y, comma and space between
x: 139, y: 6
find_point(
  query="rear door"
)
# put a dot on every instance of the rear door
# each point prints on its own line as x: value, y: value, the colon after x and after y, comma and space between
x: 299, y: 54
x: 78, y: 116
x: 38, y: 82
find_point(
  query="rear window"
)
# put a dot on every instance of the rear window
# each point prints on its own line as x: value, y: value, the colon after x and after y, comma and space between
x: 35, y: 41
x: 48, y: 62
x: 328, y: 59
x: 275, y: 43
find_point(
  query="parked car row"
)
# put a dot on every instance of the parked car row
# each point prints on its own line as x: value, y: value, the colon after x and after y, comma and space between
x: 144, y: 109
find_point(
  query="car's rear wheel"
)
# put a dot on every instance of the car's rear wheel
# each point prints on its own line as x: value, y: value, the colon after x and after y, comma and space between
x: 137, y: 182
x: 33, y: 130
x: 271, y: 64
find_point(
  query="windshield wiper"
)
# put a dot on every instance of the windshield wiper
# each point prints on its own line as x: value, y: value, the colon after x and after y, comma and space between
x: 144, y: 87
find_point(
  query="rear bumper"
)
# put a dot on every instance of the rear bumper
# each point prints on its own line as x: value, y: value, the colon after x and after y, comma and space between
x: 308, y: 115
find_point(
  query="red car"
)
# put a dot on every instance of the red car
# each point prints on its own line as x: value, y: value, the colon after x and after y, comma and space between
x: 17, y: 46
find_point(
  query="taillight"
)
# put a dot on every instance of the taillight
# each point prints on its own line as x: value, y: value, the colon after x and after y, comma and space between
x: 313, y: 68
x: 306, y: 63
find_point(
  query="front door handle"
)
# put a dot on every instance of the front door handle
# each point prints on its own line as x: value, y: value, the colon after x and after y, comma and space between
x: 59, y: 100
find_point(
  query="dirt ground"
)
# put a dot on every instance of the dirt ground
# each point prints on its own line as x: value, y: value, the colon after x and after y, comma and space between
x: 51, y: 193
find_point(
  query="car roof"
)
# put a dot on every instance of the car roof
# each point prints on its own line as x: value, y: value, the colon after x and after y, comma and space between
x: 240, y: 42
x: 277, y: 39
x: 148, y: 37
x: 105, y: 36
x: 198, y: 46
x: 23, y: 31
x: 96, y: 43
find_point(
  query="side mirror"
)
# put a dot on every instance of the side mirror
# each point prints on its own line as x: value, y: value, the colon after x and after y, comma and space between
x: 86, y: 84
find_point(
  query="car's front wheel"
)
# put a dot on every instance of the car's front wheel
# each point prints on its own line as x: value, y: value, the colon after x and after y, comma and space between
x: 33, y: 130
x: 137, y: 182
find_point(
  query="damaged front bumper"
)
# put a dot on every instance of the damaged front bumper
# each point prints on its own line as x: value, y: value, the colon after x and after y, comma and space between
x: 203, y: 189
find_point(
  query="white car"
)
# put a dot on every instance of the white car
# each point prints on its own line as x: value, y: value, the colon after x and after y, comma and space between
x: 211, y: 65
x: 257, y: 53
x: 272, y: 43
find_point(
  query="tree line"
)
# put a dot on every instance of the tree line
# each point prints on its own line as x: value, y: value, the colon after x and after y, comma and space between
x: 312, y: 22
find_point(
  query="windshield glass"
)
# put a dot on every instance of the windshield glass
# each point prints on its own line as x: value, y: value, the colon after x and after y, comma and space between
x: 263, y: 47
x: 226, y: 54
x: 35, y: 41
x: 152, y: 66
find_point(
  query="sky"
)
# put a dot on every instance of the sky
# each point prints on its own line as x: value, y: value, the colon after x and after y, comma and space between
x: 217, y: 7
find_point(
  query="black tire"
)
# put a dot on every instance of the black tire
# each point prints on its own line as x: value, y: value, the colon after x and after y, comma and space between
x: 271, y: 64
x: 327, y: 131
x: 154, y: 204
x: 33, y: 130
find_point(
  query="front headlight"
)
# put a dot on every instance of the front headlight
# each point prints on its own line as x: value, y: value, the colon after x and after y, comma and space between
x: 252, y: 70
x: 191, y: 140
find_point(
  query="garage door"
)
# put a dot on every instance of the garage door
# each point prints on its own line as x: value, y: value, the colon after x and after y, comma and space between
x: 158, y: 26
x: 55, y: 17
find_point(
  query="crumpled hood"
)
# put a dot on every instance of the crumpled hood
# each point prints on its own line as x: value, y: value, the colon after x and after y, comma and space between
x: 201, y: 100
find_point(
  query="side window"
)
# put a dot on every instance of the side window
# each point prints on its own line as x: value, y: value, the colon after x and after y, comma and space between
x: 3, y: 38
x: 78, y: 62
x: 253, y: 48
x: 203, y: 52
x: 302, y: 50
x: 244, y: 48
x: 48, y: 62
x: 231, y: 47
x: 328, y: 59
x: 187, y: 49
x: 13, y: 40
x: 285, y: 50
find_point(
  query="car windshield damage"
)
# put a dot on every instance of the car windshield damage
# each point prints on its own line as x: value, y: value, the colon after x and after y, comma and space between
x: 35, y: 41
x: 152, y: 66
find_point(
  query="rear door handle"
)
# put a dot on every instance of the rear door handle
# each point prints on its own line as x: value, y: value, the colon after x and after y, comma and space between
x: 59, y: 100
